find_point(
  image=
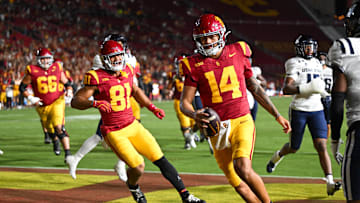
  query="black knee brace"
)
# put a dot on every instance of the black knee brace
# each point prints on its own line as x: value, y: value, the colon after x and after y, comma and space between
x: 61, y: 135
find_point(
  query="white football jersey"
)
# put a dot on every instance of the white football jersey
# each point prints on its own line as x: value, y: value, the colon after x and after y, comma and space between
x: 328, y: 79
x: 302, y: 71
x: 251, y: 100
x: 345, y: 54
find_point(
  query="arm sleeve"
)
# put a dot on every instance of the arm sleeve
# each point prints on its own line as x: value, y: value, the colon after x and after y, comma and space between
x: 337, y: 114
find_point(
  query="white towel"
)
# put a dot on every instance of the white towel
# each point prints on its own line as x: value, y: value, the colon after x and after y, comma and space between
x: 223, y: 138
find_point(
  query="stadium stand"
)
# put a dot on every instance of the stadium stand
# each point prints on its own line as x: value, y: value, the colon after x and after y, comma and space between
x: 73, y: 30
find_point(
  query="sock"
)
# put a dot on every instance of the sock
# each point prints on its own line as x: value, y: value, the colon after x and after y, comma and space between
x: 330, y: 178
x: 132, y: 187
x: 67, y: 152
x: 276, y: 157
x: 87, y: 146
x: 184, y: 193
x: 170, y: 173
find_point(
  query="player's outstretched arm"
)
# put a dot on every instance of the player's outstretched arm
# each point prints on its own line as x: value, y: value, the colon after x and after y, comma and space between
x: 143, y: 100
x: 81, y: 98
x: 260, y: 96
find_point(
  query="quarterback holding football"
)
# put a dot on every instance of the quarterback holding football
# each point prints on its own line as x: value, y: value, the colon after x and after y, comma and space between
x: 221, y: 73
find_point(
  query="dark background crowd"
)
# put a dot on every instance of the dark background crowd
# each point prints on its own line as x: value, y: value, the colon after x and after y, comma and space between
x: 72, y: 30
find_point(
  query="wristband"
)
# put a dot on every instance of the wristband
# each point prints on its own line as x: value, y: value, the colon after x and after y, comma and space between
x: 151, y: 107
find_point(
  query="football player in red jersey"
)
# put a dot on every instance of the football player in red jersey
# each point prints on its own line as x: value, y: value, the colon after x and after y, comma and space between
x: 222, y: 73
x: 112, y: 88
x: 175, y: 87
x: 48, y: 80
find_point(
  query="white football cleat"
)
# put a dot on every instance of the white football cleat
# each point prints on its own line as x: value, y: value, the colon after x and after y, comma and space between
x: 331, y: 188
x: 72, y: 162
x: 1, y: 152
x: 120, y: 169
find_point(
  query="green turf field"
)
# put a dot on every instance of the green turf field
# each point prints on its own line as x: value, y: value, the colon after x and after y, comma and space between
x: 21, y: 139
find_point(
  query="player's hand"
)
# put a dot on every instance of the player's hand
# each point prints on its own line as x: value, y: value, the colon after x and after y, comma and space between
x: 284, y: 123
x: 318, y: 85
x: 34, y: 100
x: 156, y: 111
x: 201, y: 118
x: 69, y: 93
x: 335, y: 145
x: 102, y: 105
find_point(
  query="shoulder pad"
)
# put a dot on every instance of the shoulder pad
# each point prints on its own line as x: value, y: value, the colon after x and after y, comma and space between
x: 91, y: 78
x: 245, y: 48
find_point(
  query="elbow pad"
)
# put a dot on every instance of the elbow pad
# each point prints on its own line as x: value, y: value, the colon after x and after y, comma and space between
x: 337, y: 113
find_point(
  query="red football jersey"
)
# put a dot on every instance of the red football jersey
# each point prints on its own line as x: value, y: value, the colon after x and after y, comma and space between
x: 46, y: 83
x: 221, y: 82
x: 179, y: 86
x: 137, y: 71
x: 117, y: 91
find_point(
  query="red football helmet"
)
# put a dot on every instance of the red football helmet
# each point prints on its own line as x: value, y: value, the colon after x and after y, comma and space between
x: 43, y: 53
x: 206, y: 25
x: 110, y: 49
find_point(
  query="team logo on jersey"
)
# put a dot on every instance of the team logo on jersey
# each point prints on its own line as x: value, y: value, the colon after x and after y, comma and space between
x: 104, y: 79
x: 199, y: 64
x: 233, y: 54
x: 217, y: 63
x: 123, y: 74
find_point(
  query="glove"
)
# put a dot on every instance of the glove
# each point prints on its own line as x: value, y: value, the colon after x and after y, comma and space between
x: 34, y: 100
x: 102, y: 105
x: 156, y: 111
x: 324, y: 94
x: 69, y: 93
x: 335, y: 145
x: 314, y: 86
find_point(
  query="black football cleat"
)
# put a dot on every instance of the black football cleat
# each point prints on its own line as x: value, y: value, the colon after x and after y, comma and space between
x: 56, y: 147
x: 192, y: 199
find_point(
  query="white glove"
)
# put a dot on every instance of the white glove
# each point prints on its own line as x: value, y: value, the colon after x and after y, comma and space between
x: 34, y: 100
x: 324, y: 94
x: 69, y: 93
x: 314, y: 86
x: 335, y: 145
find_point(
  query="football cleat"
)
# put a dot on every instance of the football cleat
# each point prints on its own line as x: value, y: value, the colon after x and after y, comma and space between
x: 1, y: 152
x: 274, y: 161
x: 187, y: 146
x: 72, y: 162
x: 192, y: 143
x: 331, y: 188
x: 47, y: 139
x: 192, y: 199
x: 196, y: 137
x: 189, y: 140
x: 138, y: 195
x: 56, y: 147
x: 120, y: 169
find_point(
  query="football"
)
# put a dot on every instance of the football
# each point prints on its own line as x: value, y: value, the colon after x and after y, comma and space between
x: 213, y: 127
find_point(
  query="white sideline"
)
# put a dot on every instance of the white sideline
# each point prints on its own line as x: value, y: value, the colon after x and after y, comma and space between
x: 184, y: 173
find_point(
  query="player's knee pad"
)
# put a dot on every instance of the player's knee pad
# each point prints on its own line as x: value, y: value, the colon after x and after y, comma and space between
x: 61, y: 135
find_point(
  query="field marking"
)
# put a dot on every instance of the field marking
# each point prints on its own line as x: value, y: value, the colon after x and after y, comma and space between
x: 158, y: 172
